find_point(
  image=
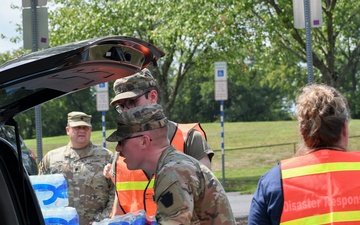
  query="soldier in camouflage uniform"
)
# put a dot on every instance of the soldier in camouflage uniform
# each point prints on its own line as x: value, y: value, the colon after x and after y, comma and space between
x: 186, y: 191
x: 82, y: 164
x: 129, y: 92
x: 137, y: 90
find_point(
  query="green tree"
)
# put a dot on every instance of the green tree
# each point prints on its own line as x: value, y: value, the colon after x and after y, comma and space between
x: 248, y: 99
x: 195, y: 101
x: 185, y: 30
x: 54, y: 114
x: 266, y: 55
x: 278, y: 47
x: 193, y: 34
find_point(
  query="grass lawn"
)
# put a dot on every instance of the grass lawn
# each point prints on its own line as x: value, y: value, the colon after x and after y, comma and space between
x: 250, y: 148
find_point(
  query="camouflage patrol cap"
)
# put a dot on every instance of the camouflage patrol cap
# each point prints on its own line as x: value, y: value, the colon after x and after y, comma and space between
x: 76, y: 119
x: 138, y: 119
x: 133, y: 86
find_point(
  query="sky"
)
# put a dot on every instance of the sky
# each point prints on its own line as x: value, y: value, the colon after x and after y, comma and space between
x: 8, y: 20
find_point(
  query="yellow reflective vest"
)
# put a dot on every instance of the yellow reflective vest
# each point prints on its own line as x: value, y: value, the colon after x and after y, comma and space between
x: 322, y: 187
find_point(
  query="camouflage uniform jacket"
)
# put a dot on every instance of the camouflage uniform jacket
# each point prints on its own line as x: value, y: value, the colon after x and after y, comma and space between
x: 187, y: 192
x: 89, y: 191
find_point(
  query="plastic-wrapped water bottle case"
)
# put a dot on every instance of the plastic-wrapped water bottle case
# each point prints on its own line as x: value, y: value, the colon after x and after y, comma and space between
x: 135, y: 218
x: 51, y: 190
x: 63, y: 216
x: 52, y: 193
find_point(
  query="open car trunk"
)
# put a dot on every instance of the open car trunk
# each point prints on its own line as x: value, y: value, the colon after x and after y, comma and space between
x: 41, y: 76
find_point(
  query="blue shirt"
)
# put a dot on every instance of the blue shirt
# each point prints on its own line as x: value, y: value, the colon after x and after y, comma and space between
x: 267, y: 203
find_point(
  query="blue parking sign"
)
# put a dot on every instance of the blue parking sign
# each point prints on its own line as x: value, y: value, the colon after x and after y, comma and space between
x: 102, y: 85
x: 220, y: 73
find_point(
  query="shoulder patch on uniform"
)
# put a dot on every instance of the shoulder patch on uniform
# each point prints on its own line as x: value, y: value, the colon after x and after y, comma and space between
x: 172, y: 201
x: 167, y: 199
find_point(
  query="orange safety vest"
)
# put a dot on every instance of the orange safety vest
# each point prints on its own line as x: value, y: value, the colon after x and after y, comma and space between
x: 182, y: 132
x: 322, y: 187
x: 134, y: 190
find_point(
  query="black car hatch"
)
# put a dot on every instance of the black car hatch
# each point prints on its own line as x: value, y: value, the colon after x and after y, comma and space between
x: 44, y: 75
x: 41, y: 76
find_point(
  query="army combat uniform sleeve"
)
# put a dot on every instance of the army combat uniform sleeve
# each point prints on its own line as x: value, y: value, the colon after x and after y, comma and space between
x: 110, y: 192
x: 187, y: 192
x: 43, y: 166
x: 173, y: 198
x: 113, y: 165
x: 107, y: 211
x: 48, y: 165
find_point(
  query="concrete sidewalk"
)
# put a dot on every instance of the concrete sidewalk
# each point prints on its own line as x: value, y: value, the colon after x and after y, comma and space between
x: 240, y: 204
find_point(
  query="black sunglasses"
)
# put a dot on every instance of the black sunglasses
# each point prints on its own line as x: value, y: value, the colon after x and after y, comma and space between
x: 119, y: 142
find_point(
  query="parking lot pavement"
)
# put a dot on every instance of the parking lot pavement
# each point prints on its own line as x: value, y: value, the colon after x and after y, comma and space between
x: 240, y: 204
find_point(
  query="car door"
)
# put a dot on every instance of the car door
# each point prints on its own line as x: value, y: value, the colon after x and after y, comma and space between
x: 18, y: 203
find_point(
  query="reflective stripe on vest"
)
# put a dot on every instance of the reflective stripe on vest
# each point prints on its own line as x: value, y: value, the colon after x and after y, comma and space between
x: 131, y: 184
x: 130, y: 187
x: 134, y: 185
x: 317, y: 190
x: 329, y: 218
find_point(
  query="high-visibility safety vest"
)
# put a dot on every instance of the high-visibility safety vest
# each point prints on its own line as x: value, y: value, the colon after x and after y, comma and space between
x: 134, y: 190
x: 182, y: 132
x: 322, y: 187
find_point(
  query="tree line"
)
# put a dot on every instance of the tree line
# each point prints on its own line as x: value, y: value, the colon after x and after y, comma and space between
x: 266, y: 55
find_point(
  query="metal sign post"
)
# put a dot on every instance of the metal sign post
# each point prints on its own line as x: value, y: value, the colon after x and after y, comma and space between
x: 221, y: 93
x: 31, y: 29
x: 308, y: 14
x: 102, y: 104
x: 35, y: 24
x: 308, y: 42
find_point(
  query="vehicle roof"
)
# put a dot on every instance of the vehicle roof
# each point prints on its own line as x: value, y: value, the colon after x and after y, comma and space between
x: 40, y: 76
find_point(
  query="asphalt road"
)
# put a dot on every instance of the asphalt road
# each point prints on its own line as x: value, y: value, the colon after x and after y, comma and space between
x: 240, y: 204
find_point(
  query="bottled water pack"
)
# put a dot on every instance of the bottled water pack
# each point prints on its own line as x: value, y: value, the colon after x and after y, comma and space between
x: 52, y: 193
x: 51, y: 190
x: 136, y: 218
x: 60, y: 216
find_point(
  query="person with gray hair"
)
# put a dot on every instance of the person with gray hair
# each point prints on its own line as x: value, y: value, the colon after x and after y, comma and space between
x: 317, y: 185
x: 186, y: 191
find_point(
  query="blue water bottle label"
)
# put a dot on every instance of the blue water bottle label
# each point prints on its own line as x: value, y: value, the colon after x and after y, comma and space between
x: 51, y: 190
x: 57, y: 192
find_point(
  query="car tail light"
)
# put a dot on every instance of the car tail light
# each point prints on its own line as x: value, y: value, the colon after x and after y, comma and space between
x: 32, y: 155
